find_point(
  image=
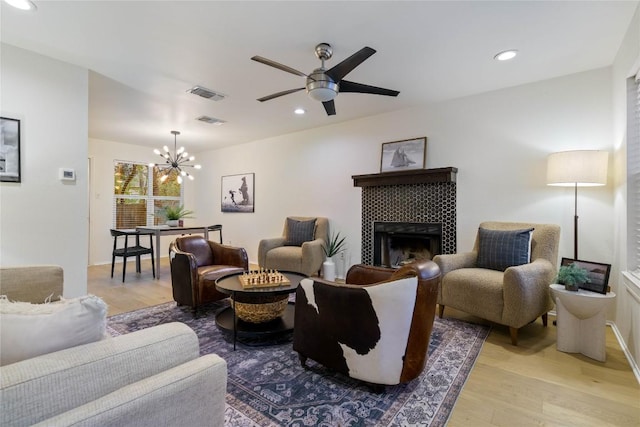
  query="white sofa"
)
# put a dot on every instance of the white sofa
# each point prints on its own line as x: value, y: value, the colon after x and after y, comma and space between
x: 152, y: 377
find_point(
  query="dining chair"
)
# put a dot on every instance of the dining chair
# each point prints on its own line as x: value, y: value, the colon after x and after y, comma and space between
x: 129, y: 251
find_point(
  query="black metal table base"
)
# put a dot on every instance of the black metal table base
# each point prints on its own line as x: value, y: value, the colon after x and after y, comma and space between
x: 248, y: 333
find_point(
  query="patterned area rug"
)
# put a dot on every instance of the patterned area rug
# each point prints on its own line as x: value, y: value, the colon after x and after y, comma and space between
x: 267, y: 386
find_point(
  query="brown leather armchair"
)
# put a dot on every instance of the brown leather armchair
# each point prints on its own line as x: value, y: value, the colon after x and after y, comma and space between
x: 196, y: 264
x: 376, y: 328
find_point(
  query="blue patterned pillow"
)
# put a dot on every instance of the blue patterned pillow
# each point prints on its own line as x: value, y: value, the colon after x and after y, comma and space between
x: 299, y: 232
x: 501, y: 249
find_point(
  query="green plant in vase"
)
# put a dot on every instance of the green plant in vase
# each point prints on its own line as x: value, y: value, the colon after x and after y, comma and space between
x: 571, y: 276
x: 174, y: 214
x: 334, y: 245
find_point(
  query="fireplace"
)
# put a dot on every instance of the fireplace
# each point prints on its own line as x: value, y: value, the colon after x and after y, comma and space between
x: 423, y: 198
x: 398, y: 243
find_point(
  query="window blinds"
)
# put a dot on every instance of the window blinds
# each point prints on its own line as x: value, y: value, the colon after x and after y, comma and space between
x: 633, y: 171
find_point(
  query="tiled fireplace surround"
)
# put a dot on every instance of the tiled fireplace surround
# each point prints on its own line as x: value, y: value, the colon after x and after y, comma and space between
x: 415, y: 196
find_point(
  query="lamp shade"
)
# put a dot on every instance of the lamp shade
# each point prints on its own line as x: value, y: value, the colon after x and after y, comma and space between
x: 584, y: 168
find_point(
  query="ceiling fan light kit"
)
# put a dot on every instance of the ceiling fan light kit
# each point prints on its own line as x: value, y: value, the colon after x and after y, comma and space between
x: 324, y: 85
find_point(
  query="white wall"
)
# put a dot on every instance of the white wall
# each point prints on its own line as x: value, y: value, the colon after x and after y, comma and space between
x: 42, y: 219
x: 498, y: 140
x: 627, y: 318
x: 103, y: 154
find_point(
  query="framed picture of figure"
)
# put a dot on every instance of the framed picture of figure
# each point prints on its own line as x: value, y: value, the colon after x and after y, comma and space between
x: 238, y: 193
x: 9, y: 150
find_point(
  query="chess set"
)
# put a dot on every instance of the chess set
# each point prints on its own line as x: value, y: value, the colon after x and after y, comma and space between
x: 263, y: 278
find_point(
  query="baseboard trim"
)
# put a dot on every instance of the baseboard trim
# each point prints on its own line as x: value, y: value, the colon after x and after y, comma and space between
x: 625, y: 349
x: 623, y: 346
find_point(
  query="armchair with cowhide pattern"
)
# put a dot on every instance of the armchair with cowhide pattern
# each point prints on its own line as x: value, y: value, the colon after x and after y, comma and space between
x: 376, y: 328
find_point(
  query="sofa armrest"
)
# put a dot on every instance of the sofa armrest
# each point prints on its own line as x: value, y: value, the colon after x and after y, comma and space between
x: 265, y: 246
x: 526, y: 292
x: 189, y: 394
x: 450, y: 262
x: 229, y: 255
x: 36, y: 389
x: 32, y: 283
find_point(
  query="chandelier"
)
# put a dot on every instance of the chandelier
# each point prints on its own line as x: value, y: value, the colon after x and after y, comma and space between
x: 176, y: 161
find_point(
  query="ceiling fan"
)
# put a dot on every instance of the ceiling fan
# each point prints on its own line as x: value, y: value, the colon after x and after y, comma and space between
x: 324, y: 85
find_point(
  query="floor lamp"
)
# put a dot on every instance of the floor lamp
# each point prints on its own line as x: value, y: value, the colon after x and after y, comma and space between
x: 580, y: 168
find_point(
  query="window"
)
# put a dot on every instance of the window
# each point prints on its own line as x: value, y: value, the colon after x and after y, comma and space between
x: 633, y: 174
x: 139, y: 196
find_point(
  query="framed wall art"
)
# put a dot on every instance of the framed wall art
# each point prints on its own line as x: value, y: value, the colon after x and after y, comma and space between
x: 238, y: 193
x: 598, y: 274
x: 9, y: 150
x: 403, y: 155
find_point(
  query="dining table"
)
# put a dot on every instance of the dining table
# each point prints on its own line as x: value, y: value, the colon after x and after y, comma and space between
x: 163, y: 230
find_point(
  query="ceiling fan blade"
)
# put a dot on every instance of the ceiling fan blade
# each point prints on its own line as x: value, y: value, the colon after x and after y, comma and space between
x: 346, y: 66
x: 276, y: 95
x: 330, y: 107
x: 278, y: 65
x: 346, y: 86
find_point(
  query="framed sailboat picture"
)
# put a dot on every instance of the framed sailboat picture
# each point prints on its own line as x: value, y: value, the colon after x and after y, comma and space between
x: 403, y: 155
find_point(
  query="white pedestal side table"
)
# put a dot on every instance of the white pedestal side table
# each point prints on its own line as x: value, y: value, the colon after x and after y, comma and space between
x: 581, y: 321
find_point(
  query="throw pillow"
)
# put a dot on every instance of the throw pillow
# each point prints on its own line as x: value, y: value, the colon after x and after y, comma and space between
x: 501, y: 249
x: 30, y: 330
x: 299, y: 232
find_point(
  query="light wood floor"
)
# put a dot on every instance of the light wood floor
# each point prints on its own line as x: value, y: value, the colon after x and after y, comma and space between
x: 532, y: 384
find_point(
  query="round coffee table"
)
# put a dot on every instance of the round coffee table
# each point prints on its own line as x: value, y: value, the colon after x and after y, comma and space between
x: 265, y: 310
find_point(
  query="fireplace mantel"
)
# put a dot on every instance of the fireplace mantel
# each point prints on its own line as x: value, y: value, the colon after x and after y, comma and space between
x: 413, y: 176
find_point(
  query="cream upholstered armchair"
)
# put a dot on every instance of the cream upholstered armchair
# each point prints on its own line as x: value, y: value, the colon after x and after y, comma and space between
x: 505, y: 278
x: 299, y: 249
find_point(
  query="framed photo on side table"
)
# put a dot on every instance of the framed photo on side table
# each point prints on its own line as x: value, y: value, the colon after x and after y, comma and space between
x: 598, y: 274
x: 238, y: 193
x: 9, y: 150
x: 403, y: 155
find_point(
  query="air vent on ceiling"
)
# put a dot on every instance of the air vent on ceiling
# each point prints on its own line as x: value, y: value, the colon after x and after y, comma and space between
x: 211, y: 120
x: 207, y: 93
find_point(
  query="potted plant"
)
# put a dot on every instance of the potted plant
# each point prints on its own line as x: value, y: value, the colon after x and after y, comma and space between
x: 333, y: 246
x: 174, y: 214
x: 571, y: 276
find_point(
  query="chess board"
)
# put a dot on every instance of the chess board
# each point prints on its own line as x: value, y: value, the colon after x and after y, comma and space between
x: 263, y: 279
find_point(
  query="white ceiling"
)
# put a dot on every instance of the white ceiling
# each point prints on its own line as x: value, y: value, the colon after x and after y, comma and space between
x: 144, y: 55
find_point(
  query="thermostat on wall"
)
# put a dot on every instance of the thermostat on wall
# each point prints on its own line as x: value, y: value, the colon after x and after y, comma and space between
x: 67, y: 174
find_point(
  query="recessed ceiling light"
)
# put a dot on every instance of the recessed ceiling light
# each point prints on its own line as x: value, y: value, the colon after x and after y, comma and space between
x: 299, y: 111
x: 21, y: 4
x: 506, y: 55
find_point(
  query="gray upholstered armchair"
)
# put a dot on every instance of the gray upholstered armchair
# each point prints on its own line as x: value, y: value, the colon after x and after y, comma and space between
x: 299, y: 249
x: 512, y: 291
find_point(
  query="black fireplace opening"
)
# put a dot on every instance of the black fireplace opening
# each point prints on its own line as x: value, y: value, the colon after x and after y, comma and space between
x: 398, y: 243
